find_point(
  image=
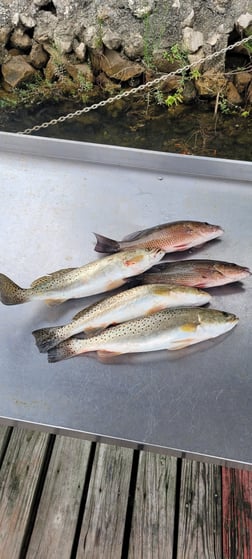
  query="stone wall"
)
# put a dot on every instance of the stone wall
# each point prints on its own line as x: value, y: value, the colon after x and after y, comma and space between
x: 114, y: 43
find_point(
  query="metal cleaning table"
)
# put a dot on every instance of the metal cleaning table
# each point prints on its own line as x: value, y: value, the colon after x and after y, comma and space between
x: 196, y: 402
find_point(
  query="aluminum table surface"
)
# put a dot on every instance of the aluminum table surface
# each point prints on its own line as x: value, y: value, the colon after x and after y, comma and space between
x: 54, y: 193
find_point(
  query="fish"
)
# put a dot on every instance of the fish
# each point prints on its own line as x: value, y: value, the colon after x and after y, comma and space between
x: 135, y: 302
x: 170, y: 237
x: 170, y: 329
x: 195, y: 273
x: 98, y: 276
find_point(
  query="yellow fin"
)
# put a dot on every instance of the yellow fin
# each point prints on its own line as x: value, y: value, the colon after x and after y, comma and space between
x: 189, y: 327
x: 54, y: 275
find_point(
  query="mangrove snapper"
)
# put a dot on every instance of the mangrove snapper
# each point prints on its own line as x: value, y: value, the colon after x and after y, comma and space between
x: 196, y: 273
x: 170, y: 237
x: 127, y: 305
x: 99, y: 276
x: 168, y: 329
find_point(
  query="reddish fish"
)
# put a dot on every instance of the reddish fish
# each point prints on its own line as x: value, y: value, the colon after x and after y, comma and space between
x: 170, y: 237
x: 196, y: 273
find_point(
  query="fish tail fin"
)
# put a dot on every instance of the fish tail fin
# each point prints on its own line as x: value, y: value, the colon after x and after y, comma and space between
x: 47, y: 338
x: 104, y: 244
x: 67, y: 349
x: 11, y: 293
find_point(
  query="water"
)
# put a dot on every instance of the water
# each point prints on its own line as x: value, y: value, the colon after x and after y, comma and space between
x: 144, y: 124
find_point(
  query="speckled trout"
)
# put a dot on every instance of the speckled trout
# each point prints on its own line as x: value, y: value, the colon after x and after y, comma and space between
x: 127, y: 305
x: 196, y: 273
x: 170, y: 237
x: 99, y: 276
x: 170, y: 329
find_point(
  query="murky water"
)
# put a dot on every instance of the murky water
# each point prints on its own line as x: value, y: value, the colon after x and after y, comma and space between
x: 144, y: 124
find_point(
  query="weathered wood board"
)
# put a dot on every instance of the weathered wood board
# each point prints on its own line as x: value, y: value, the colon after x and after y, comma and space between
x: 237, y: 513
x: 199, y: 529
x: 104, y: 517
x: 58, y: 510
x: 152, y: 526
x: 19, y: 476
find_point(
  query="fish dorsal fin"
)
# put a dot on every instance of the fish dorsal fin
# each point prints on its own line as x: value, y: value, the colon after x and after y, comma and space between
x: 134, y: 236
x: 142, y: 233
x: 54, y: 275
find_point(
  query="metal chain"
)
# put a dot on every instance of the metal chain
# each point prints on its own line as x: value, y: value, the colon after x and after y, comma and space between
x: 142, y: 87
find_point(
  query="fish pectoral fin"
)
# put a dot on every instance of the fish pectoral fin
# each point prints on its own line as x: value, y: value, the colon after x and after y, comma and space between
x: 180, y: 343
x: 107, y: 356
x: 54, y: 302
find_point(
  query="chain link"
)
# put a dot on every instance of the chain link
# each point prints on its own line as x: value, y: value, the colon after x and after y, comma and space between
x: 134, y: 90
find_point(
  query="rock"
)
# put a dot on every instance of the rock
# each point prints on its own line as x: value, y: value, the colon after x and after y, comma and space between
x: 20, y: 40
x: 3, y: 54
x: 213, y: 39
x: 104, y: 13
x: 40, y: 3
x: 241, y: 80
x: 111, y: 40
x: 106, y: 84
x: 188, y: 21
x: 232, y: 95
x: 15, y: 19
x: 80, y: 50
x: 244, y: 20
x: 53, y: 70
x: 27, y: 21
x: 164, y: 62
x: 192, y: 40
x: 45, y: 28
x: 141, y: 8
x: 189, y: 92
x: 210, y: 83
x: 119, y: 68
x: 133, y: 45
x: 16, y: 71
x: 4, y: 35
x: 63, y: 44
x: 79, y: 72
x: 195, y: 59
x: 170, y: 84
x: 92, y: 37
x: 249, y: 94
x: 64, y: 37
x: 38, y: 57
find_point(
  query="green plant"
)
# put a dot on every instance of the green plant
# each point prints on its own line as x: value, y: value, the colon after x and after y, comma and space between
x: 176, y: 53
x: 175, y: 98
x: 159, y: 97
x: 195, y: 74
x: 224, y: 105
x: 148, y: 43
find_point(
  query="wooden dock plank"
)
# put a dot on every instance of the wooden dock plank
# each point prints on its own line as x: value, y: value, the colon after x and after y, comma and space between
x: 4, y: 436
x: 152, y: 526
x: 58, y: 510
x: 18, y: 480
x: 104, y: 518
x: 199, y: 529
x: 237, y: 513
